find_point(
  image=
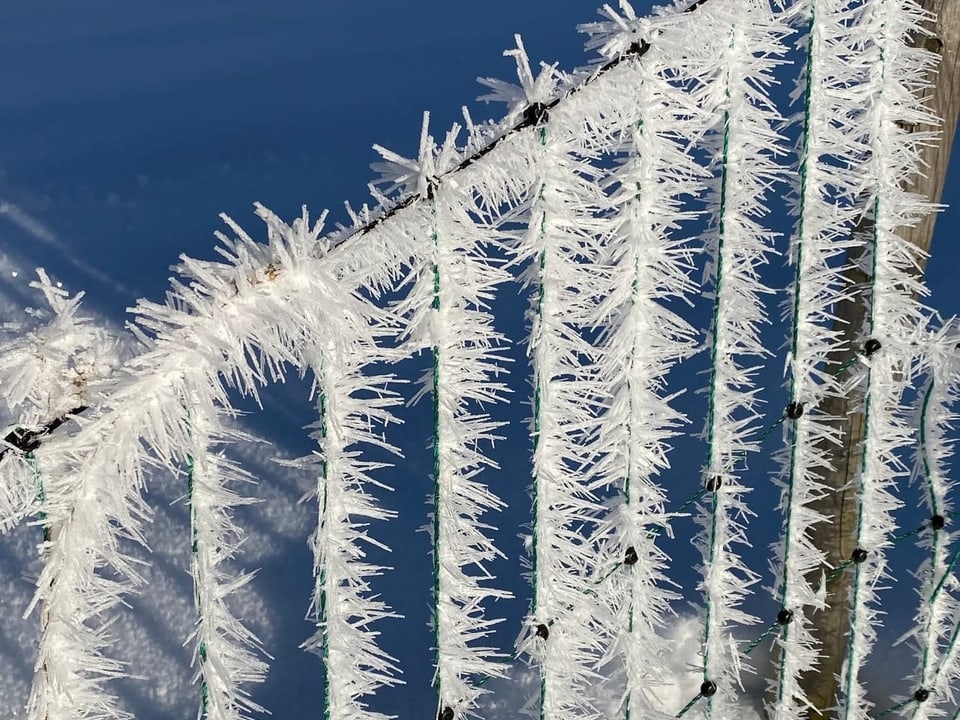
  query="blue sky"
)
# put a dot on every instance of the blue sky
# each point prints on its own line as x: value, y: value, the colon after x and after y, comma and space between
x: 125, y: 128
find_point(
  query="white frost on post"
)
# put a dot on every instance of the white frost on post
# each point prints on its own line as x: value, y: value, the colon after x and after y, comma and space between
x: 897, y: 79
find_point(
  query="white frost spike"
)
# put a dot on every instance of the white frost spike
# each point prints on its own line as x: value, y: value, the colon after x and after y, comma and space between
x: 824, y: 203
x: 72, y: 672
x: 530, y: 90
x: 448, y: 311
x: 613, y: 36
x: 746, y: 38
x: 896, y: 84
x: 225, y: 650
x: 50, y: 371
x: 562, y: 248
x: 650, y: 263
x: 354, y: 407
x: 227, y: 322
x: 937, y: 620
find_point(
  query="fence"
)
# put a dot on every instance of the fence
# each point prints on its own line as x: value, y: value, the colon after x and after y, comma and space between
x: 603, y: 192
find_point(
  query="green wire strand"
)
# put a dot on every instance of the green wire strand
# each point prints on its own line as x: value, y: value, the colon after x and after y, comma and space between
x: 322, y: 600
x: 953, y: 642
x: 686, y: 708
x: 797, y: 293
x: 934, y: 506
x: 194, y: 549
x: 894, y: 708
x: 948, y: 571
x: 866, y: 435
x: 711, y: 403
x: 41, y: 495
x: 634, y: 291
x: 435, y: 305
x: 536, y: 427
x: 763, y: 636
x: 863, y: 464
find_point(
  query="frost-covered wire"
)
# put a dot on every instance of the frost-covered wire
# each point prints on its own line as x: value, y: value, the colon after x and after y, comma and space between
x: 747, y: 38
x: 353, y: 407
x: 898, y: 72
x: 934, y: 633
x: 448, y: 311
x: 650, y: 264
x: 48, y: 373
x: 559, y: 246
x: 234, y: 322
x: 225, y: 651
x: 830, y: 155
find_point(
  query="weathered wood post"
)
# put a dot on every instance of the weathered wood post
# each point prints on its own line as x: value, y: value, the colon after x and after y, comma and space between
x: 836, y: 538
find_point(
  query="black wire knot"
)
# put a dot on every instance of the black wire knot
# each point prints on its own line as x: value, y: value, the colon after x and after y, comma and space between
x: 921, y: 695
x: 445, y: 714
x: 26, y: 441
x: 638, y: 47
x: 708, y: 688
x: 871, y: 346
x: 785, y: 617
x: 858, y: 555
x: 535, y: 114
x: 937, y: 522
x: 542, y: 631
x: 630, y: 557
x: 794, y: 410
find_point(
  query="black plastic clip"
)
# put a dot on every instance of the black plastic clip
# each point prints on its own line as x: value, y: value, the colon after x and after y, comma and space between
x: 871, y: 346
x: 535, y: 114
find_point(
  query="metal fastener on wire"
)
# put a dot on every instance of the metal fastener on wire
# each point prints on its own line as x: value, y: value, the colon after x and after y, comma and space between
x: 535, y: 114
